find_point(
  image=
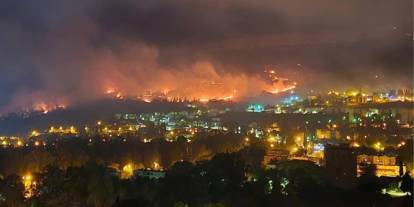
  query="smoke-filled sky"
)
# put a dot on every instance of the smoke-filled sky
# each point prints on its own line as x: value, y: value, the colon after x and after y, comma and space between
x: 72, y: 51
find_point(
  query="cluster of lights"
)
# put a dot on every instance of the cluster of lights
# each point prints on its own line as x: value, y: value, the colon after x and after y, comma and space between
x: 61, y: 130
x: 29, y: 185
x: 401, y: 144
x: 378, y: 146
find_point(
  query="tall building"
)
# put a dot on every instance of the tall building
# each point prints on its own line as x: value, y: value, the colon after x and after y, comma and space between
x: 340, y: 163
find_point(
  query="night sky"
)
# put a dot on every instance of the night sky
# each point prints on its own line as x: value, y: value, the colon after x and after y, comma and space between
x: 73, y: 50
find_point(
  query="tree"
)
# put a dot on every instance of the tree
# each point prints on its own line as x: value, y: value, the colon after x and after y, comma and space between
x: 11, y: 190
x: 52, y: 189
x: 100, y: 186
x: 183, y: 183
x: 215, y: 205
x: 369, y: 187
x: 407, y: 183
x: 225, y: 174
x: 302, y: 176
x: 180, y: 204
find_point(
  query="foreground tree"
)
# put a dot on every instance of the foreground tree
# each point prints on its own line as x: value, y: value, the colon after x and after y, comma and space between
x: 11, y: 191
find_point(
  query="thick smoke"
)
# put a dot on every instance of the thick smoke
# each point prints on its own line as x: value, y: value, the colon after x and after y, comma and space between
x: 55, y: 53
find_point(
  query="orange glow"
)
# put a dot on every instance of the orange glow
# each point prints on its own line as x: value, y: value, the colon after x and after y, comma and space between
x: 109, y: 91
x: 47, y: 107
x: 226, y: 98
x: 119, y: 96
x: 147, y: 100
x: 204, y: 84
x: 279, y: 85
x: 276, y: 91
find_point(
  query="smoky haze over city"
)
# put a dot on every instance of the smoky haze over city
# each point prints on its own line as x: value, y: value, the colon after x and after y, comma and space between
x: 214, y: 103
x: 59, y: 53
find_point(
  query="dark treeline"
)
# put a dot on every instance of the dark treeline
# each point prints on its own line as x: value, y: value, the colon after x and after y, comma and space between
x: 221, y: 172
x: 225, y: 180
x: 76, y: 152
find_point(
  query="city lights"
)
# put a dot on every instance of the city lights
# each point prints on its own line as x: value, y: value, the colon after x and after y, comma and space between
x: 206, y: 103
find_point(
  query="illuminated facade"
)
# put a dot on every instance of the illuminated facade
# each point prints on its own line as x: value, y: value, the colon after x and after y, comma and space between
x: 382, y: 165
x: 275, y: 154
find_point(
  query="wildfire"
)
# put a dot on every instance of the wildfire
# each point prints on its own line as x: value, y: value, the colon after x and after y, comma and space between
x: 288, y: 88
x: 46, y: 108
x: 110, y: 91
x: 114, y: 93
x: 279, y: 85
x: 226, y: 88
x: 199, y: 82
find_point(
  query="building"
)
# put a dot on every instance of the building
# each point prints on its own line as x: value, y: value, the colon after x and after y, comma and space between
x: 340, y: 163
x: 381, y: 164
x: 255, y: 108
x: 151, y: 174
x: 275, y: 154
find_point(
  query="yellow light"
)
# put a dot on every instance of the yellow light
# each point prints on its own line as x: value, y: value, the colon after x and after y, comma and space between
x: 271, y: 139
x: 37, y: 143
x: 34, y: 133
x: 294, y: 150
x: 127, y: 171
x: 27, y: 177
x: 127, y: 167
x: 378, y: 146
x: 27, y: 180
x: 156, y: 165
x: 272, y: 145
x: 28, y: 183
x: 73, y: 130
x: 99, y: 123
x: 19, y: 143
x: 246, y: 139
x: 355, y: 144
